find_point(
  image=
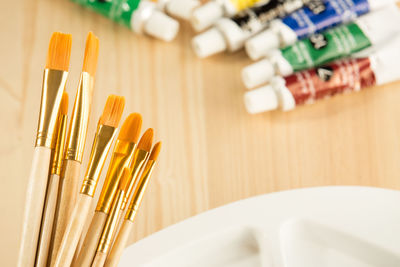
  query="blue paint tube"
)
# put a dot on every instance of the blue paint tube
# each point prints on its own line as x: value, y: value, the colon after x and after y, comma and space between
x: 305, y: 22
x: 230, y: 34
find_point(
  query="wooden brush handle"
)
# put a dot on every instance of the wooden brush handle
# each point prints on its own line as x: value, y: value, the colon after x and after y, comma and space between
x: 73, y: 232
x: 78, y: 247
x: 119, y: 244
x: 89, y: 246
x: 99, y: 259
x: 47, y: 221
x: 35, y: 197
x: 69, y: 191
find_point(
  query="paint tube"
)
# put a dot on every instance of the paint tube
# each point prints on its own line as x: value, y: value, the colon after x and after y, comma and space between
x: 304, y: 22
x: 207, y: 14
x: 231, y: 33
x: 344, y: 76
x: 366, y: 32
x: 140, y: 16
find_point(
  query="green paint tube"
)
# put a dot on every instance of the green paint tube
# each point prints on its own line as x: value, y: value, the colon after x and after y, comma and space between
x: 140, y: 16
x: 118, y: 10
x: 365, y: 34
x: 324, y: 47
x: 338, y: 77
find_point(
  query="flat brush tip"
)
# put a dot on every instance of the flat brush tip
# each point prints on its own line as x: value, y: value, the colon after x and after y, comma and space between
x: 91, y: 54
x: 64, y: 104
x: 130, y: 130
x: 112, y: 112
x: 123, y: 183
x: 155, y: 151
x: 59, y: 52
x: 146, y: 140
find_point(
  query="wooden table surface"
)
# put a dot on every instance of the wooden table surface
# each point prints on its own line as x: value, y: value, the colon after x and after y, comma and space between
x: 214, y: 152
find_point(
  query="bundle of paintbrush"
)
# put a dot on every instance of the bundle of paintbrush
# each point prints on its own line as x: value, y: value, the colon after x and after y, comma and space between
x: 56, y: 210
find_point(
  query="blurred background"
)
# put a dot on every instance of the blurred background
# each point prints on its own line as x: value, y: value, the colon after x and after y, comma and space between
x: 214, y: 152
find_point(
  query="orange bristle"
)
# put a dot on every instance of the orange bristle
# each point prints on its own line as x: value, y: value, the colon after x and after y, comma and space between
x: 126, y: 177
x: 91, y: 54
x: 155, y: 151
x: 59, y: 52
x: 64, y: 104
x: 130, y: 130
x: 146, y: 140
x: 112, y: 112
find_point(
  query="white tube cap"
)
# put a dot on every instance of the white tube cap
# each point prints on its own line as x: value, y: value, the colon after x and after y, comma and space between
x: 161, y: 26
x: 260, y: 45
x: 282, y: 66
x: 206, y: 15
x: 182, y: 8
x: 258, y: 73
x: 286, y: 99
x: 384, y: 62
x: 261, y: 100
x: 376, y: 4
x: 286, y: 35
x: 209, y: 43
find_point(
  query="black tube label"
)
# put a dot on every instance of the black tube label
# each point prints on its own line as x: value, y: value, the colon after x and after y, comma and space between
x: 257, y: 18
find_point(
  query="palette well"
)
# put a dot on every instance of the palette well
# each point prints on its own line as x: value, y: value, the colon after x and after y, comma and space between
x: 321, y: 227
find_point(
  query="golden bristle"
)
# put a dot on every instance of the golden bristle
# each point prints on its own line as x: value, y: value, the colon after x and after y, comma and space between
x: 59, y: 51
x: 155, y: 151
x: 146, y: 140
x: 112, y: 112
x: 126, y: 177
x: 64, y: 104
x: 91, y: 54
x: 130, y: 130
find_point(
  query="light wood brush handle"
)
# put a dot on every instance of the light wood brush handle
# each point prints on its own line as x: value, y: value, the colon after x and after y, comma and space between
x: 69, y: 192
x: 73, y: 232
x: 120, y: 222
x: 47, y: 221
x: 89, y: 246
x: 35, y: 197
x: 119, y: 244
x: 99, y: 259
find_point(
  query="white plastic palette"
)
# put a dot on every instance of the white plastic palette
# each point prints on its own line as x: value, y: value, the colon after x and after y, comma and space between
x: 316, y: 227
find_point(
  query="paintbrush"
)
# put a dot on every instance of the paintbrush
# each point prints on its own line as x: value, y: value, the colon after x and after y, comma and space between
x: 76, y: 142
x: 140, y: 156
x: 53, y: 186
x: 112, y: 259
x: 139, y: 159
x: 106, y: 132
x: 110, y: 227
x: 54, y: 80
x: 138, y: 162
x: 121, y: 158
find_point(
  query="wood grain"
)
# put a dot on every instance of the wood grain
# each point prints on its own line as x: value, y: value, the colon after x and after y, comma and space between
x: 91, y: 240
x: 99, y: 259
x: 213, y: 151
x: 120, y: 242
x: 73, y: 232
x: 68, y: 195
x: 42, y: 254
x: 35, y: 199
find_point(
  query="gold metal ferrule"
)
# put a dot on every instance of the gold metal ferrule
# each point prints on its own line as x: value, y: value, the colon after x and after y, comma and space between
x: 53, y: 86
x: 139, y: 191
x: 111, y: 224
x: 121, y: 158
x: 59, y: 146
x: 100, y: 148
x: 139, y: 158
x: 80, y: 118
